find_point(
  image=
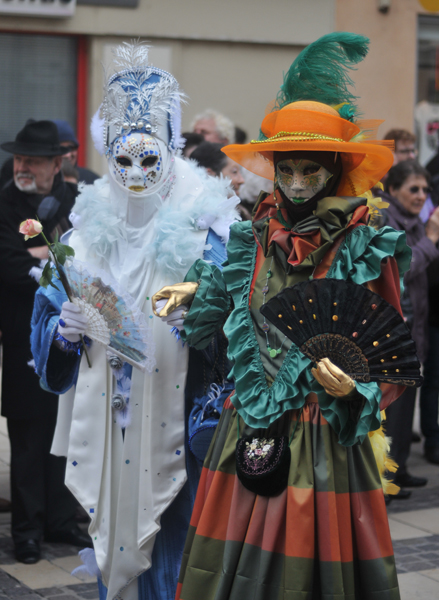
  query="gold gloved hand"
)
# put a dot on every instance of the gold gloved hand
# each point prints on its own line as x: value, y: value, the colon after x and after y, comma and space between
x: 177, y: 294
x: 332, y: 379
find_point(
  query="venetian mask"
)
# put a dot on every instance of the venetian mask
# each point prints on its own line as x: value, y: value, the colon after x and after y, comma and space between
x: 301, y: 179
x: 136, y: 161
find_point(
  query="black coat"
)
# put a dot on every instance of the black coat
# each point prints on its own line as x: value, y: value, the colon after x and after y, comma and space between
x: 86, y: 176
x: 22, y: 397
x: 424, y: 253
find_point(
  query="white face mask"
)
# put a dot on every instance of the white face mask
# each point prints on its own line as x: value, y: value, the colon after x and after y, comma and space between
x: 136, y: 161
x: 301, y: 179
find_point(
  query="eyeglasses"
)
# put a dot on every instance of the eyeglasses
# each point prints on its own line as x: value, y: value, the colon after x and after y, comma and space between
x: 416, y: 188
x: 407, y: 151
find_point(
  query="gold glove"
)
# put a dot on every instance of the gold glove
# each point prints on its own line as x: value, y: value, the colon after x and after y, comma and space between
x: 177, y: 294
x: 330, y: 377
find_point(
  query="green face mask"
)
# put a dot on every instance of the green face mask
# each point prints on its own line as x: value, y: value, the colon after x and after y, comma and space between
x: 301, y: 179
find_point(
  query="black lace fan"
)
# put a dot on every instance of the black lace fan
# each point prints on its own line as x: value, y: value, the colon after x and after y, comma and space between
x: 355, y: 328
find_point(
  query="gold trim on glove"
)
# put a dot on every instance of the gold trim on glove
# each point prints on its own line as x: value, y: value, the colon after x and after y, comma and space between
x: 177, y: 294
x: 332, y: 379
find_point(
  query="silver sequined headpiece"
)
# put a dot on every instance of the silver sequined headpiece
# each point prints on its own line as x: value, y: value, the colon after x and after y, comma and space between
x: 140, y: 97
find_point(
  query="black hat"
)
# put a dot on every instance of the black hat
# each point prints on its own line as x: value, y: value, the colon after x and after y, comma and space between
x: 37, y: 138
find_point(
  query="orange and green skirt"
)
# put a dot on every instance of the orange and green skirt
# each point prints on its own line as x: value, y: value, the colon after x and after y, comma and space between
x: 326, y: 536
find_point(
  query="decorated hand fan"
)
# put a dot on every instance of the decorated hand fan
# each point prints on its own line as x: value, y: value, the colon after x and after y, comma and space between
x: 114, y: 319
x: 355, y: 328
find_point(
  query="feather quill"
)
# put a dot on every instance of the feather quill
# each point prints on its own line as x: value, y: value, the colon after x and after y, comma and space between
x: 131, y: 55
x: 138, y: 91
x: 321, y: 71
x: 381, y: 447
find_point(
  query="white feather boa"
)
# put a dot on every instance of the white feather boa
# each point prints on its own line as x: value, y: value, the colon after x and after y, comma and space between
x: 173, y: 250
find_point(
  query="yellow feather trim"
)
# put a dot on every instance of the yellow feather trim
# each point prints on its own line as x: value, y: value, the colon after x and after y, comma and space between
x: 374, y: 205
x: 381, y: 447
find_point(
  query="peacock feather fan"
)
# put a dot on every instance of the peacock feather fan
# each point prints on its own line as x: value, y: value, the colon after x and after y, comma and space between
x: 321, y: 71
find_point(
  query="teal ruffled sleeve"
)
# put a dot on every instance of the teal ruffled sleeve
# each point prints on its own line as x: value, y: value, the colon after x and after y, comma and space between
x: 210, y: 306
x: 361, y: 253
x: 336, y: 412
x: 258, y: 404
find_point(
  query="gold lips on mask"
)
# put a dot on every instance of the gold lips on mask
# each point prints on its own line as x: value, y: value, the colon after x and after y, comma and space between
x: 136, y: 188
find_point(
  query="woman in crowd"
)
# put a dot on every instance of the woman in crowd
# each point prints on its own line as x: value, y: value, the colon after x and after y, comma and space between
x: 407, y: 190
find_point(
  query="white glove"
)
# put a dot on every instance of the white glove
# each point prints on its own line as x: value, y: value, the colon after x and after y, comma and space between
x: 75, y: 322
x: 75, y: 220
x: 176, y: 317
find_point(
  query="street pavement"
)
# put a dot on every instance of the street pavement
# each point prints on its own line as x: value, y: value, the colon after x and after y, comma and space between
x: 414, y: 524
x: 51, y: 577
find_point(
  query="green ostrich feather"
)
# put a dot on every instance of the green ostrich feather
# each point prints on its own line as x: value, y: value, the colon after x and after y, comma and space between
x: 321, y: 72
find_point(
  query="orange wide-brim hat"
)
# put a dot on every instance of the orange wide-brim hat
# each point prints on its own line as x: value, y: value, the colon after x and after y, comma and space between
x: 313, y: 126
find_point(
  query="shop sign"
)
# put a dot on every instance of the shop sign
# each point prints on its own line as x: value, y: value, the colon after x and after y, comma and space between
x: 38, y: 8
x: 109, y: 3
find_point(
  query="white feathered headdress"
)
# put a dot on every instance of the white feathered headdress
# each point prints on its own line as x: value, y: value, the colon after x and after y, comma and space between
x: 137, y: 97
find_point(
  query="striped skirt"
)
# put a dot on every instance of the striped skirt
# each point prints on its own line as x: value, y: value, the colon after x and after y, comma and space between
x: 326, y: 536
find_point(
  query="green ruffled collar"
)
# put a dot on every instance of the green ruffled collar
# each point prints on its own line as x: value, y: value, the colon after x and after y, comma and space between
x: 331, y: 217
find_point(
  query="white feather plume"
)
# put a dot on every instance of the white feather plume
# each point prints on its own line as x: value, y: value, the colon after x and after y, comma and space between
x: 97, y: 127
x: 130, y: 55
x: 129, y: 96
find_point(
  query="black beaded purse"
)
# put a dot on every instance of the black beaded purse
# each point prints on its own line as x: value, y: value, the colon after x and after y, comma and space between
x: 263, y: 463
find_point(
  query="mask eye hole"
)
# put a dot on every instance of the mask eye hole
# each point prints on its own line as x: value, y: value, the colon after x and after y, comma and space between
x: 123, y: 161
x: 285, y: 169
x: 311, y: 169
x: 149, y: 161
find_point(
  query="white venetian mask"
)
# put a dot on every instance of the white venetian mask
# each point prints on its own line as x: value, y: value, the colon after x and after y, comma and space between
x: 301, y: 179
x: 136, y: 161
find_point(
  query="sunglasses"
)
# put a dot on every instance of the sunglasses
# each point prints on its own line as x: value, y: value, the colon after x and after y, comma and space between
x: 416, y: 188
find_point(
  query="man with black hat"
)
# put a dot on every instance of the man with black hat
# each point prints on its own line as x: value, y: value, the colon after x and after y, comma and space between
x: 41, y: 504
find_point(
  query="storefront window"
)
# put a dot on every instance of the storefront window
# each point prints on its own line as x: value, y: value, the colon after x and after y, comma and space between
x: 427, y: 96
x: 40, y: 76
x: 428, y: 59
x: 121, y: 3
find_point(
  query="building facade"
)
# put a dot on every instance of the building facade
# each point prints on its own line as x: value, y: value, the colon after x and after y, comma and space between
x: 226, y: 55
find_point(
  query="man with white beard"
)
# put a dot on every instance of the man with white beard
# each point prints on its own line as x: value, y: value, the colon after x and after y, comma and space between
x: 41, y: 504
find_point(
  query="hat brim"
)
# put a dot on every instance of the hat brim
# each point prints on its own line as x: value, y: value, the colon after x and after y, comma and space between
x: 364, y: 164
x: 33, y: 149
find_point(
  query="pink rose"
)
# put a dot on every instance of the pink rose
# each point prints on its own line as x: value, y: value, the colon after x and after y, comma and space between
x: 258, y: 452
x: 30, y: 228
